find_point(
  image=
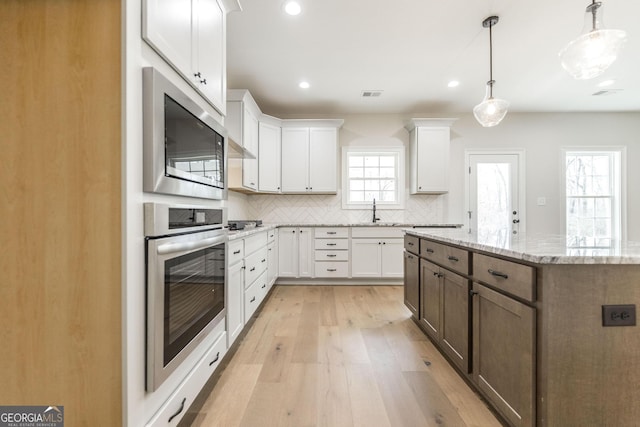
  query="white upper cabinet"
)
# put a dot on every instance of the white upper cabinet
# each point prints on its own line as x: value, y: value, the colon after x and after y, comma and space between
x: 295, y: 160
x: 323, y: 150
x: 242, y: 119
x: 309, y: 157
x: 191, y: 37
x: 269, y: 158
x: 429, y: 155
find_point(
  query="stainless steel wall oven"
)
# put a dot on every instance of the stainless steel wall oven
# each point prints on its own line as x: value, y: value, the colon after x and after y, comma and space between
x: 185, y: 283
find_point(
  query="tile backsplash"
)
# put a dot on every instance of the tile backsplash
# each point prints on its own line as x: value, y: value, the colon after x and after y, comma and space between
x: 305, y: 209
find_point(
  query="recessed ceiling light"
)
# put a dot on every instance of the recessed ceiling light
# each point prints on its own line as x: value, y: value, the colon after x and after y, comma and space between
x: 304, y: 85
x: 453, y: 83
x: 606, y: 83
x: 292, y: 8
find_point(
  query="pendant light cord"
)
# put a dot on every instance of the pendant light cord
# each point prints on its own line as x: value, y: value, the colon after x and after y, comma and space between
x: 491, y: 61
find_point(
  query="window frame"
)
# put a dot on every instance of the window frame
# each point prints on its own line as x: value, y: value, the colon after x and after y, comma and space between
x: 400, y: 177
x: 617, y: 176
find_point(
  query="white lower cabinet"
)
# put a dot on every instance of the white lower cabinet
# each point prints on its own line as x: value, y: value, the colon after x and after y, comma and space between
x: 176, y: 406
x: 295, y: 252
x: 377, y: 252
x: 235, y: 301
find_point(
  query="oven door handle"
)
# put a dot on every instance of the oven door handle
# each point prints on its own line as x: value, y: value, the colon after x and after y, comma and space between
x: 170, y: 248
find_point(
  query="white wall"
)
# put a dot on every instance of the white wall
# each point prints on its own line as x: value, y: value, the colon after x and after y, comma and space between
x: 542, y: 136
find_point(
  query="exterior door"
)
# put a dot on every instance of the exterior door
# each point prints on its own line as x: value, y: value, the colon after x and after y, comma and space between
x: 495, y: 209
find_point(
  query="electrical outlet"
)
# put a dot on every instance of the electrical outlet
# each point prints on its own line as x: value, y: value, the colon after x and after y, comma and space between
x: 619, y: 315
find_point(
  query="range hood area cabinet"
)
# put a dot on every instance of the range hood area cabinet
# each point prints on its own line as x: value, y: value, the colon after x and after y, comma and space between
x: 429, y: 155
x: 242, y: 123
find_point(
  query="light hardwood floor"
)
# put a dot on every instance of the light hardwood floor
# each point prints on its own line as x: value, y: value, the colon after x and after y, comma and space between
x: 339, y: 356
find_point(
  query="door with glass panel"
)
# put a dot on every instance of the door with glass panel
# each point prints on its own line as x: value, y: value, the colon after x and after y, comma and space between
x: 494, y: 200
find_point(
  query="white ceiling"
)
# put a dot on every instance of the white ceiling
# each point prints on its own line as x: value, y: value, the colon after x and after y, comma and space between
x: 410, y: 49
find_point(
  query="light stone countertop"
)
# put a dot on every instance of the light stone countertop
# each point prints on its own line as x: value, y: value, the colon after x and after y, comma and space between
x: 539, y: 249
x: 240, y: 234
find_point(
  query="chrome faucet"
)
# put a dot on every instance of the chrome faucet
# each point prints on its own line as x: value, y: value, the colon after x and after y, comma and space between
x: 374, y: 212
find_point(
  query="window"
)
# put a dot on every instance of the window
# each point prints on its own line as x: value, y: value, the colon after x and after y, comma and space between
x: 373, y: 173
x: 593, y: 198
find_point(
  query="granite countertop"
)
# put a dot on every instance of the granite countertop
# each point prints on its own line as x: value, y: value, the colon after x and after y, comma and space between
x: 239, y: 234
x: 539, y: 249
x: 371, y: 224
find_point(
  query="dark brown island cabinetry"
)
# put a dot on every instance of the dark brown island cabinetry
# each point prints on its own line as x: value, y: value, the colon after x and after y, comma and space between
x: 529, y: 331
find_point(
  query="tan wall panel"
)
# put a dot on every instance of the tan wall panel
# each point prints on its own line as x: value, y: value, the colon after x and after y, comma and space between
x: 60, y: 207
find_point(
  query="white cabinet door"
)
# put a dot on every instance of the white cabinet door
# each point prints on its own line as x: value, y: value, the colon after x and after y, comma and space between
x: 269, y: 159
x: 288, y: 252
x: 250, y: 136
x: 365, y: 257
x: 391, y: 258
x: 295, y: 160
x: 323, y: 146
x: 272, y: 264
x: 432, y: 174
x: 209, y: 71
x: 166, y: 25
x: 306, y: 252
x: 235, y: 301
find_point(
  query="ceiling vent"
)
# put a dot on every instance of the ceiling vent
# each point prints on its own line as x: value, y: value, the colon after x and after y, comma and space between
x: 371, y: 93
x: 605, y: 92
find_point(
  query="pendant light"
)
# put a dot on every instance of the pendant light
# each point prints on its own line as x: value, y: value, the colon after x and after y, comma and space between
x: 591, y: 53
x: 491, y: 110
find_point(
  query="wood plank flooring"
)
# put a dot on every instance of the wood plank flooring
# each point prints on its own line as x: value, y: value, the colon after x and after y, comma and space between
x: 339, y: 356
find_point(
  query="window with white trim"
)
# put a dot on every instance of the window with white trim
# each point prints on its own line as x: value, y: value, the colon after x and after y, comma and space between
x: 593, y: 198
x: 373, y: 173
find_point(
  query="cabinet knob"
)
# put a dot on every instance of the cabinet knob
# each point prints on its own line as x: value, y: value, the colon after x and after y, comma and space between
x: 203, y: 81
x: 197, y: 74
x: 419, y: 188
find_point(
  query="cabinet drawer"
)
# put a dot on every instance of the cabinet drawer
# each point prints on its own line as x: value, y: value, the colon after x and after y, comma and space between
x: 412, y: 244
x: 455, y: 259
x: 332, y: 269
x: 186, y: 393
x: 432, y: 250
x: 332, y: 233
x: 332, y: 255
x: 253, y: 296
x: 513, y: 278
x: 255, y: 265
x: 332, y: 244
x: 255, y: 242
x: 236, y: 251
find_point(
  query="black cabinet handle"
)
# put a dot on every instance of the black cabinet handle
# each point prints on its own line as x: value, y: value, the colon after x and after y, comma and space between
x: 331, y: 244
x: 452, y: 258
x: 384, y: 243
x: 429, y: 251
x: 472, y: 292
x: 264, y: 260
x: 331, y: 269
x: 409, y: 243
x: 331, y: 232
x: 179, y: 410
x: 410, y: 256
x: 253, y: 269
x: 253, y: 299
x: 215, y: 360
x: 204, y: 82
x: 332, y: 255
x: 197, y: 74
x: 236, y: 252
x: 497, y: 274
x: 244, y: 267
x: 264, y: 286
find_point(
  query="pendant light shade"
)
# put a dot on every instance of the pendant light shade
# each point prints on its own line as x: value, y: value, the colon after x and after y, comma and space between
x: 591, y: 53
x: 491, y: 110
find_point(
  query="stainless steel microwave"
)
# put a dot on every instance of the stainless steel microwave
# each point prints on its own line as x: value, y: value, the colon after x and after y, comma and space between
x: 185, y: 148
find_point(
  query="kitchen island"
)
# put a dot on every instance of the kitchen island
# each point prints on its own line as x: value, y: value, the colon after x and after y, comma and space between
x: 546, y: 333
